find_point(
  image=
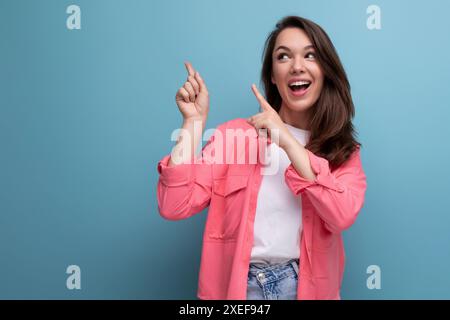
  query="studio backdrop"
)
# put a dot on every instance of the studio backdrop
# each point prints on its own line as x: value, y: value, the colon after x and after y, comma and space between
x: 87, y: 109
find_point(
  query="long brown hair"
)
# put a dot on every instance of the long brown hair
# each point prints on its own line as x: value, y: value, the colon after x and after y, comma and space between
x: 332, y: 132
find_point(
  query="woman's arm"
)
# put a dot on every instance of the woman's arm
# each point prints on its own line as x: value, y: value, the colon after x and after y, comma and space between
x: 299, y: 158
x: 184, y: 189
x: 337, y: 197
x: 190, y: 137
x: 184, y: 186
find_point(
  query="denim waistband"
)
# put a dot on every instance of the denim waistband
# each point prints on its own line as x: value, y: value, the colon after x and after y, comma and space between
x: 274, y: 271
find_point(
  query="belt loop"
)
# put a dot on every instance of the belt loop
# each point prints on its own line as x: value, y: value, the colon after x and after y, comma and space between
x: 295, y: 266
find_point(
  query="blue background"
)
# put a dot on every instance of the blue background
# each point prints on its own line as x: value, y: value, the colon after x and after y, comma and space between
x: 85, y: 115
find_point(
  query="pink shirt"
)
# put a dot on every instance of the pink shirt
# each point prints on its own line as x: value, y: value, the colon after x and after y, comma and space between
x: 330, y: 204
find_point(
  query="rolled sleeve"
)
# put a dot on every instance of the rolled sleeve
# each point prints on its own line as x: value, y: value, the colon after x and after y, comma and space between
x: 321, y: 169
x: 177, y: 175
x: 337, y: 197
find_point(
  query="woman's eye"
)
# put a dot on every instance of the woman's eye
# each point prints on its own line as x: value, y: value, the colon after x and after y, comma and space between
x: 309, y: 55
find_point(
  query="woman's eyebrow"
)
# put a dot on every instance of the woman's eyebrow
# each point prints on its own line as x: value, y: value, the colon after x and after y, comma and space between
x: 286, y: 48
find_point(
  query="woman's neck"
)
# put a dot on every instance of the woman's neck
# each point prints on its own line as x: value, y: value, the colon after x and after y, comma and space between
x: 294, y: 118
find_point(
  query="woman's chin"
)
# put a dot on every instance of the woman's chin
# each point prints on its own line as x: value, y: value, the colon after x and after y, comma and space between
x: 296, y: 105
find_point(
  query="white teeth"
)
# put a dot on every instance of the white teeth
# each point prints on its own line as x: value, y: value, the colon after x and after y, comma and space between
x: 299, y: 83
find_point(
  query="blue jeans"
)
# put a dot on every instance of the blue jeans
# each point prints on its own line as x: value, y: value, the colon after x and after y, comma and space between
x: 273, y: 282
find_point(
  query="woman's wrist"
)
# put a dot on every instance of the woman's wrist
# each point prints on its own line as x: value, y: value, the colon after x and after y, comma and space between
x: 195, y: 122
x: 289, y: 143
x: 196, y: 118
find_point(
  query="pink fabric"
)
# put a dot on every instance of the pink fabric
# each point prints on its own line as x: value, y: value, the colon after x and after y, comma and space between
x: 330, y: 205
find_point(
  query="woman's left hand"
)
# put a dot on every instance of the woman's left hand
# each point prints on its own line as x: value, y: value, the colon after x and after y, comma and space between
x: 270, y: 120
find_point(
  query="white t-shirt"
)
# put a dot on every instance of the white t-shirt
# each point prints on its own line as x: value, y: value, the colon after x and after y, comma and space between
x: 278, y: 220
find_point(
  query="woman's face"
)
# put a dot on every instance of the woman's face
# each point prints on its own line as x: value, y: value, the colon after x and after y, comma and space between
x: 294, y: 59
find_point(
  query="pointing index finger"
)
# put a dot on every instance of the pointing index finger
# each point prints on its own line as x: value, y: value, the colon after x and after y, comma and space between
x: 262, y: 101
x: 189, y: 68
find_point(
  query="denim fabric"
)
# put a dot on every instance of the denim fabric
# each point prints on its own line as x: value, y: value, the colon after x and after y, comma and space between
x: 273, y: 282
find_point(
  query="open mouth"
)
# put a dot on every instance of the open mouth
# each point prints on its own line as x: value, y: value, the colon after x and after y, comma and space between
x: 299, y: 86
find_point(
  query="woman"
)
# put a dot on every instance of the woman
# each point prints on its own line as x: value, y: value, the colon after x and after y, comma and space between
x: 274, y: 227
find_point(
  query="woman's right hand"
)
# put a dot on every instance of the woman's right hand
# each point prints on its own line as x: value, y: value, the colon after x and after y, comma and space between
x: 193, y: 98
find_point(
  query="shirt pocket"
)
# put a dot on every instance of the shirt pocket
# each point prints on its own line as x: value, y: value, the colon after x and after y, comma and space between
x: 226, y: 208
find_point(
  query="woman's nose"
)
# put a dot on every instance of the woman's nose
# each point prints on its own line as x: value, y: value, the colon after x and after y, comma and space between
x: 297, y: 66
